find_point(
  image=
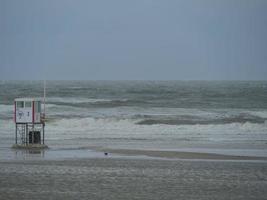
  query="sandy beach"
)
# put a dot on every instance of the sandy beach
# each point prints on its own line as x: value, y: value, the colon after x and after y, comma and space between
x: 137, y: 174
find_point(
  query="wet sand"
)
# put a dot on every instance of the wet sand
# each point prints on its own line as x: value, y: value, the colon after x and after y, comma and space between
x: 179, y: 154
x: 122, y: 178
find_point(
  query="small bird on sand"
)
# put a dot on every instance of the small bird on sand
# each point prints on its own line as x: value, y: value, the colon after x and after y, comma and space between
x: 106, y: 153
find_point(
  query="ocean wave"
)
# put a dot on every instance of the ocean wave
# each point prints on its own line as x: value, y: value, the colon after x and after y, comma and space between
x: 6, y: 111
x: 75, y: 100
x: 108, y: 131
x: 194, y: 120
x: 261, y: 113
x: 120, y: 122
x: 91, y: 131
x: 96, y: 103
x: 153, y: 116
x: 6, y: 108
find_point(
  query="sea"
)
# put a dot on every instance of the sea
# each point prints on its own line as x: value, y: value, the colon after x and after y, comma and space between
x: 226, y: 117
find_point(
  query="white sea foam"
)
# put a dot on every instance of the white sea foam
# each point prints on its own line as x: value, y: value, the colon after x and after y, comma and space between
x: 259, y: 113
x: 6, y: 124
x: 6, y: 108
x: 111, y: 127
x: 75, y: 100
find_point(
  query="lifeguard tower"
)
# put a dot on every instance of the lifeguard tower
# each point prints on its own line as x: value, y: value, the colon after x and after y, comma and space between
x: 29, y: 117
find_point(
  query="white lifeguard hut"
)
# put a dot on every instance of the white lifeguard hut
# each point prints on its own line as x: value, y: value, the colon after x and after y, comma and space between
x: 29, y: 117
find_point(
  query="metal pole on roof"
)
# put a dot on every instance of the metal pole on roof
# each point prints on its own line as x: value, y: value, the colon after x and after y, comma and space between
x: 44, y: 95
x: 44, y: 110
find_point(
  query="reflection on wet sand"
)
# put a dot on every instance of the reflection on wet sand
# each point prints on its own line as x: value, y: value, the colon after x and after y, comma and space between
x: 29, y: 153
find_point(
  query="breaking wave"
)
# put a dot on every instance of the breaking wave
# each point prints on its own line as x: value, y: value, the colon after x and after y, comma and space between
x: 6, y: 111
x: 75, y: 100
x: 193, y: 120
x: 91, y: 102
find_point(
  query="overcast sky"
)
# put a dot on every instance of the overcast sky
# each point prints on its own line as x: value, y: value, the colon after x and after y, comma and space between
x: 133, y: 39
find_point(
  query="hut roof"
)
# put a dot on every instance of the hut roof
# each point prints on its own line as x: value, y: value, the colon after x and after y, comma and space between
x: 29, y: 99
